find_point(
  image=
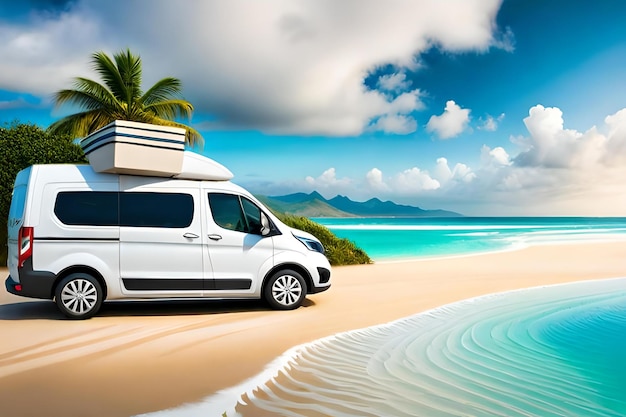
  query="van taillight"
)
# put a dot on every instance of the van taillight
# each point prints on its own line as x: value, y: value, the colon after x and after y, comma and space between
x: 25, y: 242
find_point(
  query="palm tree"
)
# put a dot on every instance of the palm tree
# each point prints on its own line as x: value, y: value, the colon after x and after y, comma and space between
x: 121, y: 98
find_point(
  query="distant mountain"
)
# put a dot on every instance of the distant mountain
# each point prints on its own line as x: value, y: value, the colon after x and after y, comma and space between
x: 298, y: 205
x: 315, y: 205
x: 300, y: 198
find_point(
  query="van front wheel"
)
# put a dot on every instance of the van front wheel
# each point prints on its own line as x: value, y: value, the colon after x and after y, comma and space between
x: 285, y: 290
x: 78, y: 296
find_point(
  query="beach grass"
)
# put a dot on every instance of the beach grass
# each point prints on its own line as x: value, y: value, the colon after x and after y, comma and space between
x: 339, y: 251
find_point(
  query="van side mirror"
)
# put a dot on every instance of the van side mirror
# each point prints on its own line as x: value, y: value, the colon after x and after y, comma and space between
x: 266, y: 227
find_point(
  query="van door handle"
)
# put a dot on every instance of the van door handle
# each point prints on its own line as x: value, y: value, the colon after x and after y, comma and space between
x: 191, y: 235
x: 215, y: 237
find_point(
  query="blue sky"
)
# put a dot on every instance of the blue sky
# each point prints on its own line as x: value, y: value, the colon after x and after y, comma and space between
x: 484, y: 107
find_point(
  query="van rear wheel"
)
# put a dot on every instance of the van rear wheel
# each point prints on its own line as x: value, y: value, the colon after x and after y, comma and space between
x: 78, y: 296
x: 285, y: 290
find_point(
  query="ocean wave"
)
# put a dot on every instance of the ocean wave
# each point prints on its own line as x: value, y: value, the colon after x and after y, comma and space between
x: 434, y: 227
x: 497, y: 355
x: 473, y: 234
x: 548, y: 351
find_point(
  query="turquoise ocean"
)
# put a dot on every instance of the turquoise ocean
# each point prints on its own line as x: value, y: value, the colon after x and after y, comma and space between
x: 387, y: 239
x: 548, y: 351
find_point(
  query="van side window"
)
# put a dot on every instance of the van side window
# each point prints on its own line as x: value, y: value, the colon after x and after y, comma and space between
x: 87, y: 208
x: 227, y: 212
x: 144, y: 209
x: 111, y: 208
x: 236, y: 213
x: 253, y: 215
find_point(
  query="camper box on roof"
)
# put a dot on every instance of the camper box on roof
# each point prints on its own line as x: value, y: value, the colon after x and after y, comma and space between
x: 133, y: 148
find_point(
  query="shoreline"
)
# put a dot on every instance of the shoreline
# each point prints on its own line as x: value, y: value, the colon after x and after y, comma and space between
x: 510, y: 248
x: 168, y: 354
x: 228, y: 400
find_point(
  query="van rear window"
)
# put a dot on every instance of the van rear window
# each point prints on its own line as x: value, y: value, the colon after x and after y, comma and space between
x: 110, y: 208
x: 18, y: 201
x: 87, y: 208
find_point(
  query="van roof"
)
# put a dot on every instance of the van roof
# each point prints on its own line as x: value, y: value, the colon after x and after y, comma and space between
x: 71, y: 173
x: 85, y: 173
x: 40, y: 175
x: 195, y: 167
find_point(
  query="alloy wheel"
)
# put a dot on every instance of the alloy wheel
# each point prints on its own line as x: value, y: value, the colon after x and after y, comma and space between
x: 287, y: 290
x: 79, y: 296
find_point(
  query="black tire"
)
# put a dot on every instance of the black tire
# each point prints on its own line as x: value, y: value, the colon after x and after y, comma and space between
x: 79, y: 296
x: 285, y: 290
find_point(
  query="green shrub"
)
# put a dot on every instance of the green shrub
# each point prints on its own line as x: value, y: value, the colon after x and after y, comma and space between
x: 338, y: 251
x: 22, y: 145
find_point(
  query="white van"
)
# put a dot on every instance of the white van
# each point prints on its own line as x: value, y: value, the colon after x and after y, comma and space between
x: 80, y: 237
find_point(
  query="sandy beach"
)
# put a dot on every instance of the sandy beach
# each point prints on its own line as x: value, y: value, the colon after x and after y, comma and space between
x: 138, y: 357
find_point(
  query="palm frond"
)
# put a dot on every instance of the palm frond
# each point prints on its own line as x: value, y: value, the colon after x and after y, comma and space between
x: 81, y: 124
x: 110, y: 75
x: 88, y: 94
x: 193, y: 137
x: 129, y: 68
x: 171, y: 109
x: 162, y: 90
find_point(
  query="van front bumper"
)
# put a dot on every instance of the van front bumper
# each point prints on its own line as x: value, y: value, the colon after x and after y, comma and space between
x: 317, y: 290
x: 32, y: 284
x: 324, y: 275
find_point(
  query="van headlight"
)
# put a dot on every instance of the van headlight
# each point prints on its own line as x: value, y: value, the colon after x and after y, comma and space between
x: 311, y: 244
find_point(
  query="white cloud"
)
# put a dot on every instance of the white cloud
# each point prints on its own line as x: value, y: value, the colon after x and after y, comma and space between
x: 450, y: 123
x: 616, y: 138
x: 284, y: 67
x: 506, y: 40
x: 413, y: 180
x: 396, y: 119
x: 393, y: 82
x: 552, y: 146
x: 409, y: 182
x: 494, y: 157
x: 460, y: 173
x: 442, y: 171
x: 375, y: 181
x: 491, y: 123
x: 329, y: 181
x: 41, y: 57
x: 558, y: 171
x: 406, y: 102
x: 463, y: 173
x: 396, y: 123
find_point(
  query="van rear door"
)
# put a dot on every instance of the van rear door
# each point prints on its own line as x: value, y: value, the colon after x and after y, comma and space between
x: 16, y: 221
x: 160, y: 241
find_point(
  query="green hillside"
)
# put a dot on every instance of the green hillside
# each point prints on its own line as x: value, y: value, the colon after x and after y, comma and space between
x: 311, y: 208
x: 315, y: 205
